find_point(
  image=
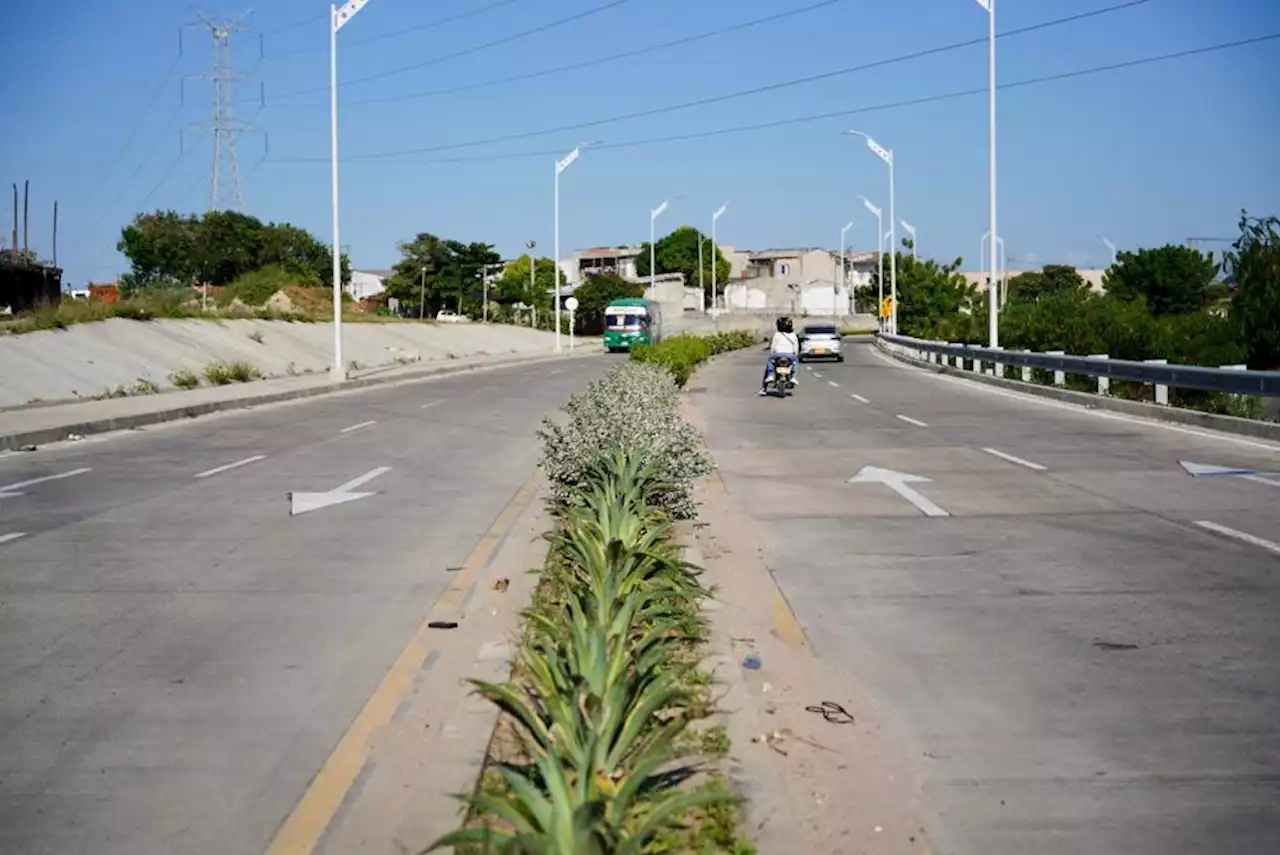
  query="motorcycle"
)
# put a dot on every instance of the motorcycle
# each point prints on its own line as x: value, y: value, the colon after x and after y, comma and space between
x: 783, y: 380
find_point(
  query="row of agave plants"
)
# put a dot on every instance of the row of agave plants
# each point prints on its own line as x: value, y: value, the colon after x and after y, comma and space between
x: 606, y: 688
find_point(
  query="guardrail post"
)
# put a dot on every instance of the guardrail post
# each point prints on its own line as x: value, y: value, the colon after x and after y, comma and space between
x: 997, y: 368
x: 1059, y: 377
x: 1162, y: 391
x: 1026, y: 371
x: 975, y: 365
x: 1236, y: 396
x: 1104, y: 383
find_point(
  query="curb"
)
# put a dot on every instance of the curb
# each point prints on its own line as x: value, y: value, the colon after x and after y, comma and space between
x: 43, y: 436
x: 1085, y: 400
x: 768, y: 818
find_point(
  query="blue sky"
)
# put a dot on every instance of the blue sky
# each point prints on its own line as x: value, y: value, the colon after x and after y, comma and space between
x: 1145, y: 155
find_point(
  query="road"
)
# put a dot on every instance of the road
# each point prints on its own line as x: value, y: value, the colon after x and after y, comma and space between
x: 181, y: 654
x: 1076, y: 637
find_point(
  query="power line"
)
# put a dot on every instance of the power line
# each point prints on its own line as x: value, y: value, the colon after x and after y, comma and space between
x: 875, y: 108
x: 438, y: 22
x: 757, y: 90
x: 137, y: 124
x: 577, y: 16
x: 533, y: 75
x: 296, y: 24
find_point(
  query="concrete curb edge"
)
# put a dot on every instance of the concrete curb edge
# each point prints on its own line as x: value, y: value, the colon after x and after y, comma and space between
x: 41, y: 436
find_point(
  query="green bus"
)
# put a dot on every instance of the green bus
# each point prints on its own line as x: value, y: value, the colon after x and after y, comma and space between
x: 630, y: 322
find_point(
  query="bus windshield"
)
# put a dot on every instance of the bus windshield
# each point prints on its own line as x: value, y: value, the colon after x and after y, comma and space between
x: 624, y: 318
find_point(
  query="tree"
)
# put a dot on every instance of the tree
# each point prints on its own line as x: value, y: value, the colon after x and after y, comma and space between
x: 1053, y: 279
x: 465, y: 265
x: 514, y: 286
x: 167, y: 249
x: 1173, y: 279
x: 415, y: 280
x: 678, y: 253
x: 597, y: 293
x: 1254, y: 265
x: 931, y: 295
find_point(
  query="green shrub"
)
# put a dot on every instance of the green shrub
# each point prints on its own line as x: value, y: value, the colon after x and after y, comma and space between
x: 224, y: 373
x: 184, y: 379
x: 257, y: 286
x: 634, y: 406
x: 681, y: 354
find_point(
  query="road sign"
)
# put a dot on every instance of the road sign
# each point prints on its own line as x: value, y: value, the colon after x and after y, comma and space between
x: 886, y: 307
x: 571, y: 304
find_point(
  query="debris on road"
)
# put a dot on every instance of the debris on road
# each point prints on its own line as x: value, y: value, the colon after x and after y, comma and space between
x: 752, y: 662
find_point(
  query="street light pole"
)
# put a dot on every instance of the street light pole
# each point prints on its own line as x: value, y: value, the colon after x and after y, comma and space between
x: 879, y: 250
x: 1111, y: 246
x: 561, y: 166
x: 844, y: 274
x: 911, y: 230
x: 1003, y: 270
x: 715, y: 250
x: 993, y: 333
x: 653, y: 255
x: 886, y: 155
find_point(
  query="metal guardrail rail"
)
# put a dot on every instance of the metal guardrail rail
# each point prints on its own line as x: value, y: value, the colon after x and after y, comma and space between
x: 1236, y: 380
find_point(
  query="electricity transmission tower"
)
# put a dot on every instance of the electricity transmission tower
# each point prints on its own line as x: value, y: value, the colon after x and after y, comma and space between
x: 225, y: 192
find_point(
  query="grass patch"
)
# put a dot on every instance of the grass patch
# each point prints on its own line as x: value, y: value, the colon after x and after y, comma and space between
x: 184, y: 379
x: 226, y: 373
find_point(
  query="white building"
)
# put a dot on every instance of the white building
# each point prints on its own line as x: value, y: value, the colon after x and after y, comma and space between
x: 367, y: 283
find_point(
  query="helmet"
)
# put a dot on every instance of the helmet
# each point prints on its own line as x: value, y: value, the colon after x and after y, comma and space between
x: 784, y: 325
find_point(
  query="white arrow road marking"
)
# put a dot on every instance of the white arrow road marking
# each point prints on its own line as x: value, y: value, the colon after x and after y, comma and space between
x: 1206, y: 470
x: 911, y: 421
x: 301, y: 503
x: 897, y: 482
x: 357, y: 427
x: 10, y: 490
x: 9, y: 538
x: 1240, y: 535
x: 230, y: 466
x: 995, y: 452
x: 860, y: 399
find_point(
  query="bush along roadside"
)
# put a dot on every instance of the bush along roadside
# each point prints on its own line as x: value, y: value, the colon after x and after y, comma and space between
x: 683, y: 353
x: 603, y: 747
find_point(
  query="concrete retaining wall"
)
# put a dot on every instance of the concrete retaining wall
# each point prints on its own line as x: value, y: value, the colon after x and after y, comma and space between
x: 88, y: 359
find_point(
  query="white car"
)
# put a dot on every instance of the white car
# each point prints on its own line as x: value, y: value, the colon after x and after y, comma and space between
x: 820, y: 341
x: 445, y: 316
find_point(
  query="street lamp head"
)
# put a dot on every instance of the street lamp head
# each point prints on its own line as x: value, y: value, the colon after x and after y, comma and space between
x: 657, y: 212
x: 590, y: 144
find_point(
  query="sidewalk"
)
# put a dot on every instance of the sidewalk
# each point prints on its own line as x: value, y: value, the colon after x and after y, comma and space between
x: 45, y: 424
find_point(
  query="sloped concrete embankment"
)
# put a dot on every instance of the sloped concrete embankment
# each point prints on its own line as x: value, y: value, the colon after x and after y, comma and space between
x: 87, y: 360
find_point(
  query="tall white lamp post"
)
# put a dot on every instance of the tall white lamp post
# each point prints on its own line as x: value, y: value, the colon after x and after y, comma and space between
x: 1003, y: 272
x: 887, y: 156
x: 338, y: 18
x: 844, y: 274
x: 879, y: 215
x: 653, y: 256
x: 911, y: 230
x: 561, y: 166
x: 993, y: 316
x: 1111, y: 246
x: 715, y: 249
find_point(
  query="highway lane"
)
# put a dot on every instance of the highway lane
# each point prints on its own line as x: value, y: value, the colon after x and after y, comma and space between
x: 1080, y: 664
x: 180, y: 653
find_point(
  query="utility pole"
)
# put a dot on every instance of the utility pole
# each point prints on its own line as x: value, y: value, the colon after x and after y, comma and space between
x: 225, y: 192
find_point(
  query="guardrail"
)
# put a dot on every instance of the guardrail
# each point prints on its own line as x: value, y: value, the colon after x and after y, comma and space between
x: 1236, y: 379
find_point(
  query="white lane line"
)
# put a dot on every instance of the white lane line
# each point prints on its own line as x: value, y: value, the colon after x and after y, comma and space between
x: 834, y: 384
x: 363, y: 479
x: 429, y: 404
x: 18, y: 486
x: 230, y: 466
x: 1244, y: 537
x: 816, y: 374
x: 357, y: 427
x: 859, y: 398
x: 1018, y: 460
x: 9, y: 538
x: 911, y: 421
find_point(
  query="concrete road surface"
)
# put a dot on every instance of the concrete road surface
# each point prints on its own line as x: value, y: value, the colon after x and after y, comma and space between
x: 1078, y: 637
x: 179, y: 653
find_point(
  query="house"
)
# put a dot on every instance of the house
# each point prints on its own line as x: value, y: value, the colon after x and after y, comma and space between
x: 596, y: 260
x: 798, y: 280
x: 107, y: 292
x: 367, y: 283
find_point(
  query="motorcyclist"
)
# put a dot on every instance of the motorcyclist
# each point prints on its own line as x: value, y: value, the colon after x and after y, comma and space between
x: 785, y: 343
